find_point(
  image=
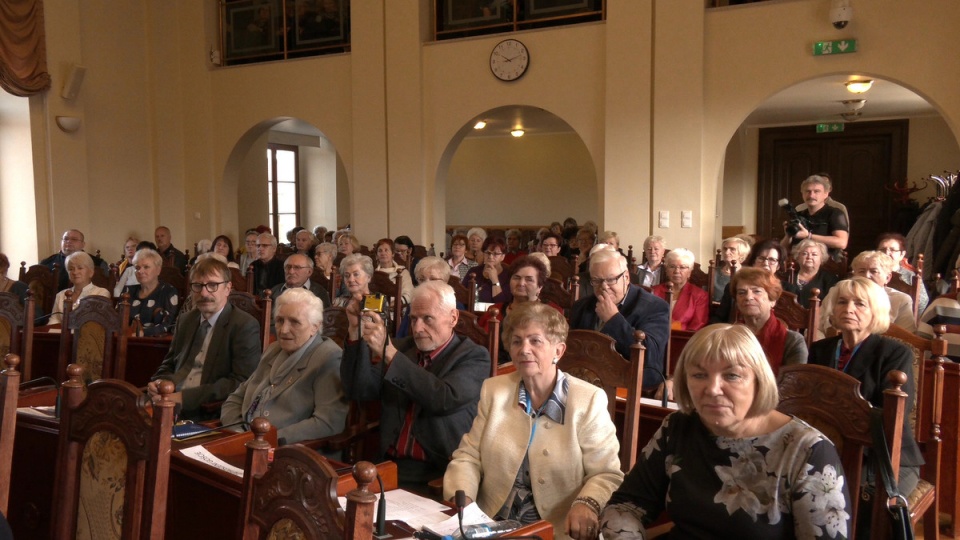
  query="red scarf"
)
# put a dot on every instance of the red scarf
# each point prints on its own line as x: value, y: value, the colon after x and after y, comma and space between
x: 773, y: 340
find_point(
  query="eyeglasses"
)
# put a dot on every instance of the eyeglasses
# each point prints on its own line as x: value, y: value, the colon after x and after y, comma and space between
x: 764, y: 260
x: 293, y: 267
x: 889, y: 250
x: 675, y: 267
x: 211, y: 286
x: 493, y: 253
x: 264, y: 245
x: 550, y: 245
x: 609, y: 281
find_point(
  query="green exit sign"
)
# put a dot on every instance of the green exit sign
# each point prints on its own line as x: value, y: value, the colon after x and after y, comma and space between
x: 829, y: 128
x: 839, y: 46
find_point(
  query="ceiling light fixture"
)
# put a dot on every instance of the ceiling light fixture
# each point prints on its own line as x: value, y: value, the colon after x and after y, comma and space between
x: 859, y: 87
x: 517, y: 132
x: 480, y: 124
x: 852, y: 116
x: 854, y: 104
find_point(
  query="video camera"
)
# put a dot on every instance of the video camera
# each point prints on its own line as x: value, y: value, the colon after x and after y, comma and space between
x: 796, y: 220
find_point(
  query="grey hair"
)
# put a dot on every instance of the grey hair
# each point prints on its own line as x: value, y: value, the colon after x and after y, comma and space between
x: 273, y: 239
x: 429, y: 263
x: 478, y: 231
x: 654, y: 238
x: 301, y: 296
x: 355, y: 259
x: 605, y: 255
x: 327, y: 247
x: 147, y: 253
x: 439, y: 291
x: 684, y: 256
x: 79, y: 257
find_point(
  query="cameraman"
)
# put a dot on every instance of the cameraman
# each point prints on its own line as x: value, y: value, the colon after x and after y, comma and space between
x: 820, y: 221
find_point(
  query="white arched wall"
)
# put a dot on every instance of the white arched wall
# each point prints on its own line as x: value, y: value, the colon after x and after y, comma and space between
x: 757, y: 56
x: 504, y: 180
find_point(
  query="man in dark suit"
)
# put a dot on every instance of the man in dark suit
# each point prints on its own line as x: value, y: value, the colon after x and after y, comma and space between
x: 71, y: 242
x: 618, y: 308
x: 428, y: 384
x: 215, y: 347
x: 267, y: 269
x: 171, y: 255
x: 297, y: 270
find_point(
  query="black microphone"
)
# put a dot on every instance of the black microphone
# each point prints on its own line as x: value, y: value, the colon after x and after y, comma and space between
x: 785, y: 204
x: 26, y: 385
x: 381, y: 532
x: 45, y: 317
x: 191, y: 434
x: 460, y: 500
x: 663, y: 379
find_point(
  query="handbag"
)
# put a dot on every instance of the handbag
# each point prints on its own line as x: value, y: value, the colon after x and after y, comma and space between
x: 901, y: 528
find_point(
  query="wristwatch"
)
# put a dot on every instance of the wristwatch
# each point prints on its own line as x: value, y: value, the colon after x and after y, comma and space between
x: 497, y: 284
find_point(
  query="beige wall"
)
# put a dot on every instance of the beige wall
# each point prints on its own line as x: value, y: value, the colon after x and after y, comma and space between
x: 18, y: 240
x: 656, y: 93
x: 933, y: 149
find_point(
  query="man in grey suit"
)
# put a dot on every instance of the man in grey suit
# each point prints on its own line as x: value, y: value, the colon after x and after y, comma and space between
x: 297, y: 384
x: 297, y: 270
x: 428, y: 384
x: 215, y: 347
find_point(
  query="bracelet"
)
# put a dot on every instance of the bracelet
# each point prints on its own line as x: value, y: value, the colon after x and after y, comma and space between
x: 497, y: 284
x: 809, y: 235
x: 589, y: 502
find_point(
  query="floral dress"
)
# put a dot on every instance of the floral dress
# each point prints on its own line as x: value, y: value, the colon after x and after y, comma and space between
x: 785, y: 484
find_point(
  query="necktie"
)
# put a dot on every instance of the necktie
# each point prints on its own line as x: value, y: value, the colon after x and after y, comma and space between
x: 198, y: 340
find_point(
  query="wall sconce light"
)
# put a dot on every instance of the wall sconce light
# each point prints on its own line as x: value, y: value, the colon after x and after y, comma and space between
x: 859, y: 87
x: 517, y: 132
x: 68, y: 124
x: 480, y: 124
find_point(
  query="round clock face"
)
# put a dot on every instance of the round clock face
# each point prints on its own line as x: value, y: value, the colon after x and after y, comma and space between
x: 509, y: 60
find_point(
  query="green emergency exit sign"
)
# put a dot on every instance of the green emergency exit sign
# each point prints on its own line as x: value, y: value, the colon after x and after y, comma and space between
x: 839, y: 46
x: 829, y: 128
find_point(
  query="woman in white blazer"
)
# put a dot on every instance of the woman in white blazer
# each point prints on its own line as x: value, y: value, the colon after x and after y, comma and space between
x: 543, y: 445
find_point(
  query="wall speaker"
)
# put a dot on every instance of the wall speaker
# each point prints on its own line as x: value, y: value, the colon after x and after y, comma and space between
x: 71, y: 87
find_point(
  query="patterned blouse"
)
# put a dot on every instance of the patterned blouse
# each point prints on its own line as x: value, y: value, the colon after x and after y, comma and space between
x: 785, y: 484
x: 157, y: 312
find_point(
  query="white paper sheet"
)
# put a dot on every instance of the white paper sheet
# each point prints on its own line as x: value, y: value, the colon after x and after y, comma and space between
x: 414, y: 510
x: 203, y: 455
x: 656, y: 403
x: 472, y: 515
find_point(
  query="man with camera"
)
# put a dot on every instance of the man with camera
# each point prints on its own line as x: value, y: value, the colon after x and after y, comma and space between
x: 820, y: 221
x: 428, y: 384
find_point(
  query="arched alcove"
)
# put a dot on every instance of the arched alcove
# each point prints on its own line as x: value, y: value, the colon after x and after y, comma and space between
x: 324, y: 196
x: 931, y: 145
x: 489, y: 177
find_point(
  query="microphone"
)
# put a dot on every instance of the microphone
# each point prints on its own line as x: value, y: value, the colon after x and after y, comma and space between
x: 663, y: 379
x: 26, y: 385
x: 189, y: 430
x: 460, y: 500
x: 381, y: 532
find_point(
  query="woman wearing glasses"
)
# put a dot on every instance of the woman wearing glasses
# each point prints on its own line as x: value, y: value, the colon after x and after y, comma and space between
x: 690, y: 305
x: 458, y: 261
x: 491, y: 276
x: 894, y: 245
x: 767, y: 255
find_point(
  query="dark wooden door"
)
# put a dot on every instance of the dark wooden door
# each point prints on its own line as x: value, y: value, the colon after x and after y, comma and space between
x: 862, y: 161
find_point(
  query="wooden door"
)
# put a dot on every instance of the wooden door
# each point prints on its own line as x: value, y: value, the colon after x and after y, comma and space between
x: 862, y: 161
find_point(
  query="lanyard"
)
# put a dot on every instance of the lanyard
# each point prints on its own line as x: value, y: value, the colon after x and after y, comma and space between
x: 535, y: 417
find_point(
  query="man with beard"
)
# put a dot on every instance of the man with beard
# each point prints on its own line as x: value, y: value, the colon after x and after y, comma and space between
x: 215, y: 346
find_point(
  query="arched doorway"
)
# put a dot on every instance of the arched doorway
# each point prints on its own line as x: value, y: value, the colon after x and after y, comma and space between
x: 490, y: 177
x: 304, y: 168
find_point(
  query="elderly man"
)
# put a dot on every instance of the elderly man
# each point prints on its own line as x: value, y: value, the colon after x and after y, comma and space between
x: 652, y: 272
x: 618, y: 308
x: 215, y: 346
x: 171, y: 255
x: 267, y: 269
x: 71, y: 242
x: 297, y: 383
x: 297, y: 270
x: 428, y: 385
x: 828, y: 223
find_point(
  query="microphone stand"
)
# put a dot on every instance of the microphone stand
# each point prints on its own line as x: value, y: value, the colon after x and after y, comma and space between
x: 381, y: 531
x: 663, y: 379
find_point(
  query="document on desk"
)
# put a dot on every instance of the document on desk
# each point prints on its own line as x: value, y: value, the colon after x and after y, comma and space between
x: 412, y: 509
x: 657, y: 403
x: 203, y: 455
x: 472, y: 515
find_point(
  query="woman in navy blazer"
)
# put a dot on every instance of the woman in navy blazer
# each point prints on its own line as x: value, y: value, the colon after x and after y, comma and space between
x: 860, y: 309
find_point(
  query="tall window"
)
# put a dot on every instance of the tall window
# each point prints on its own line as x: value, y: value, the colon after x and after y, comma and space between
x: 283, y: 188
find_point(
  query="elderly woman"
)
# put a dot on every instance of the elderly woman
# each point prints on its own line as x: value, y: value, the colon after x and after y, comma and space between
x: 356, y: 272
x: 810, y: 254
x: 153, y: 303
x: 690, y: 306
x: 323, y: 257
x: 297, y: 382
x: 651, y: 272
x: 860, y: 310
x: 347, y: 244
x: 610, y: 238
x: 458, y: 261
x: 80, y: 271
x: 757, y: 291
x: 476, y: 237
x: 728, y: 464
x: 305, y: 242
x: 878, y: 267
x: 733, y: 250
x: 250, y: 249
x: 491, y: 276
x: 534, y: 424
x: 767, y: 255
x: 223, y: 246
x: 125, y: 272
x: 894, y: 245
x: 387, y: 265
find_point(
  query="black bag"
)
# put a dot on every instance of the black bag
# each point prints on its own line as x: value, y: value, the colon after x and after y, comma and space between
x: 901, y: 528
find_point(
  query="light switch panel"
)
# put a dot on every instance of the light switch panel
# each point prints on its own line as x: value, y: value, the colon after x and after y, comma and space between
x: 664, y: 219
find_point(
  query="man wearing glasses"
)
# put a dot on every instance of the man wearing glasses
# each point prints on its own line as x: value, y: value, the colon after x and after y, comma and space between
x: 297, y: 270
x: 267, y: 269
x: 215, y: 346
x: 71, y: 242
x: 618, y: 308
